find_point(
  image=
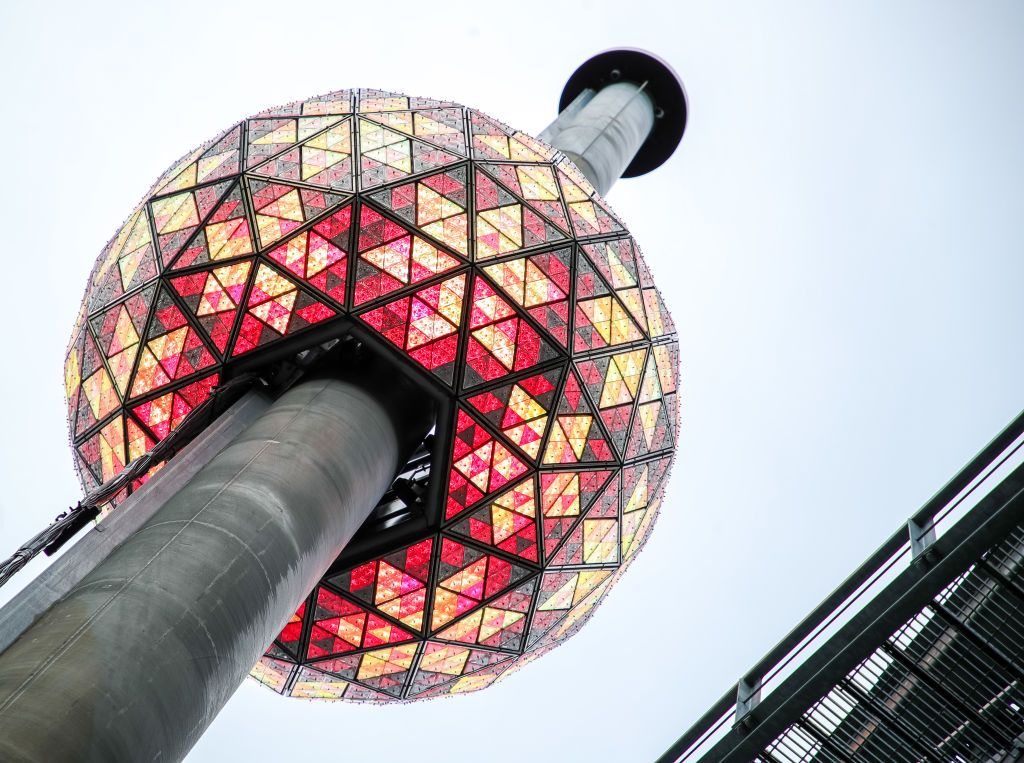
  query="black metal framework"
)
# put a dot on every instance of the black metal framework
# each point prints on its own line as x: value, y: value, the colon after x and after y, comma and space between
x: 919, y: 655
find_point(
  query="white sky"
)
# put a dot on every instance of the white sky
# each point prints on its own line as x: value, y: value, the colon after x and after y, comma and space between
x: 839, y: 239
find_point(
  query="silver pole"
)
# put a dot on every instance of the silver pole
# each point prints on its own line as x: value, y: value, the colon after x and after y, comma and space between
x: 137, y: 659
x: 602, y: 131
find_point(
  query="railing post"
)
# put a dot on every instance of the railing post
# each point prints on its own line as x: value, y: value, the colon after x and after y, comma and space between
x: 921, y: 537
x: 748, y: 697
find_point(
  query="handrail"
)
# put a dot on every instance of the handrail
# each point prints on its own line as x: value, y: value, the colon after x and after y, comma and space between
x: 701, y: 736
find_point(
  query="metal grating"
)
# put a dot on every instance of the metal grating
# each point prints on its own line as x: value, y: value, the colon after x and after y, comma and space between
x: 946, y: 686
x: 917, y: 656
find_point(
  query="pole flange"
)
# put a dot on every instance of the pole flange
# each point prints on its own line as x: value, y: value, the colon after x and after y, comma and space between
x: 662, y: 85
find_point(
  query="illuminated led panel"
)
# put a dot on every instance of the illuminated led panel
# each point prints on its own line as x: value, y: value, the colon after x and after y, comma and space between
x: 387, y: 669
x: 391, y: 257
x: 500, y: 340
x: 375, y: 675
x: 371, y: 100
x: 436, y: 205
x: 474, y: 682
x: 396, y: 584
x: 224, y: 234
x: 595, y: 539
x: 140, y: 443
x: 104, y: 452
x: 467, y: 577
x: 666, y: 358
x: 506, y: 224
x: 214, y: 297
x: 425, y: 325
x: 639, y: 502
x: 480, y: 465
x: 520, y: 409
x: 386, y: 155
x: 128, y: 261
x: 492, y: 140
x: 601, y: 319
x: 563, y: 597
x: 118, y: 331
x: 276, y: 307
x: 165, y: 413
x: 565, y: 497
x: 177, y: 217
x: 73, y: 384
x: 290, y: 637
x: 324, y: 160
x: 488, y: 269
x: 220, y: 160
x: 614, y: 382
x: 313, y: 684
x: 588, y: 213
x: 616, y: 261
x: 273, y: 673
x: 540, y: 283
x: 340, y: 625
x: 173, y: 349
x: 272, y: 136
x: 443, y: 665
x: 281, y: 208
x: 659, y: 321
x: 576, y: 433
x: 507, y: 522
x: 442, y: 127
x: 338, y: 102
x: 501, y: 623
x: 93, y: 385
x: 534, y: 183
x: 318, y: 256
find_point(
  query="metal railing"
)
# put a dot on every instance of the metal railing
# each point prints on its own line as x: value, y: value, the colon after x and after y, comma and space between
x: 962, y: 493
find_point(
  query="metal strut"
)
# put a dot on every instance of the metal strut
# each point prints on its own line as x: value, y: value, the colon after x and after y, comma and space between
x: 68, y: 523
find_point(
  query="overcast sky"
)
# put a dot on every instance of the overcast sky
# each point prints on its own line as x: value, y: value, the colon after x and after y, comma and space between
x: 838, y: 238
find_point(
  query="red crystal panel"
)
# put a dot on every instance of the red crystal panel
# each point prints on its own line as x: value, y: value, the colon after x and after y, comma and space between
x: 541, y: 284
x: 500, y: 624
x: 276, y: 307
x: 178, y: 216
x: 481, y: 465
x: 466, y: 577
x: 166, y: 412
x: 507, y: 522
x: 500, y: 342
x: 520, y: 410
x: 565, y: 497
x: 318, y: 255
x: 173, y: 349
x: 392, y: 257
x: 395, y: 584
x: 214, y: 297
x: 576, y: 434
x: 341, y: 625
x: 224, y: 235
x: 425, y: 324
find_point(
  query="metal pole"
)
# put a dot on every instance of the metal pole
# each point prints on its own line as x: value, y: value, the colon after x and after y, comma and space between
x: 602, y: 131
x: 137, y: 659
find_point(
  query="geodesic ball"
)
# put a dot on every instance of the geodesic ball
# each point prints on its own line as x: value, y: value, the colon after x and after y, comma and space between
x: 465, y: 250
